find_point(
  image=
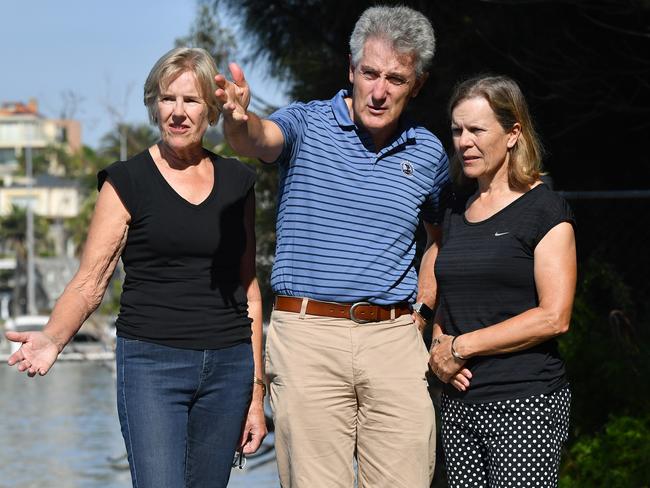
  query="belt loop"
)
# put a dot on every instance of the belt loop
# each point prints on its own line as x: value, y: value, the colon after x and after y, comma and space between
x: 303, y: 308
x: 392, y: 312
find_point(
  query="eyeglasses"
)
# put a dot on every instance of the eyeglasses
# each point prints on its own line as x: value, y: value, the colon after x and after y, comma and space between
x: 239, y: 461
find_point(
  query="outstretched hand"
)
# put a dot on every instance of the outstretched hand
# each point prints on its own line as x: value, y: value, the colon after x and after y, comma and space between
x: 233, y: 96
x: 37, y: 353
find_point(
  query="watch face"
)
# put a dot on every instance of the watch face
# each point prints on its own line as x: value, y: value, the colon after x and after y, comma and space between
x: 424, y: 311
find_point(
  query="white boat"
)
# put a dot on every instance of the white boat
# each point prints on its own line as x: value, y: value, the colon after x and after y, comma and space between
x: 83, y: 347
x: 24, y: 323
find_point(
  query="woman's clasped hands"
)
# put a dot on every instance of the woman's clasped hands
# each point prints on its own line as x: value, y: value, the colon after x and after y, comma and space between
x: 445, y: 366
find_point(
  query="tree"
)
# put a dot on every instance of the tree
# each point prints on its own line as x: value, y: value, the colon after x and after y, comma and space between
x: 13, y: 236
x: 584, y: 66
x: 40, y: 160
x: 13, y: 232
x: 84, y: 165
x: 208, y: 33
x: 81, y: 165
x: 608, y: 341
x: 77, y: 227
x: 616, y: 456
x: 138, y: 138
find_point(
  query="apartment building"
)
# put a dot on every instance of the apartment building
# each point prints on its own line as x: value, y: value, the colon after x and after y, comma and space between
x: 22, y: 126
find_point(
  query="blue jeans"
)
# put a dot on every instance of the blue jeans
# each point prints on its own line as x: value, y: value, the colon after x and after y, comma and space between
x: 181, y: 411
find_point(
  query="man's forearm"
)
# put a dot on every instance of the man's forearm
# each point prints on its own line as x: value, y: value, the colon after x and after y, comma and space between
x: 253, y: 138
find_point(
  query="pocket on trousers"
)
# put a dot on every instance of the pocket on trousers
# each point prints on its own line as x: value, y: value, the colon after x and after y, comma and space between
x: 268, y: 350
x: 414, y: 349
x: 421, y: 346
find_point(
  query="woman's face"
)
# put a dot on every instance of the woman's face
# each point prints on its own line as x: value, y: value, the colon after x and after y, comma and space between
x: 481, y: 143
x: 182, y: 113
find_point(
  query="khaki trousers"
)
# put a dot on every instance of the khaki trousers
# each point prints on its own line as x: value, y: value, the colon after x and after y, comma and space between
x: 341, y: 390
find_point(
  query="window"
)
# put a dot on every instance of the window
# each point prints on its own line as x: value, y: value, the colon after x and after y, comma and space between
x: 8, y: 156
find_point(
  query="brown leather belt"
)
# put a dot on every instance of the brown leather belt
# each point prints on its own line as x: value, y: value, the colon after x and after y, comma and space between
x: 360, y: 312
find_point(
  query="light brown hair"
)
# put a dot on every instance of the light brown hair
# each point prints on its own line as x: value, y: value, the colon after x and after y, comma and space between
x: 509, y: 106
x: 173, y: 64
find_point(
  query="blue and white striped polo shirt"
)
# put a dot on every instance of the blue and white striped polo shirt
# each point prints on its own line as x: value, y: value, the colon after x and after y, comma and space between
x: 347, y: 215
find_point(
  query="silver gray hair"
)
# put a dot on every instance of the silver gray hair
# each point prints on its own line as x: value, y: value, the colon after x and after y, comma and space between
x: 408, y: 30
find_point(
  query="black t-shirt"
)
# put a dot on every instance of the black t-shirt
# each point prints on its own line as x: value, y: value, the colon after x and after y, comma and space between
x: 182, y: 286
x: 485, y: 275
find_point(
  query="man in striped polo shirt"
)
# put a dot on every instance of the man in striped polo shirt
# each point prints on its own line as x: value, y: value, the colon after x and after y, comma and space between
x: 345, y: 358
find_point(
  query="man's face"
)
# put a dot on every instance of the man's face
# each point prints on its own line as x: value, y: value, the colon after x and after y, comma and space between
x: 383, y: 83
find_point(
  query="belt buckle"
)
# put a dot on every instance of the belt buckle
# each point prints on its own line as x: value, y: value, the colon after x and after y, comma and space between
x: 354, y: 317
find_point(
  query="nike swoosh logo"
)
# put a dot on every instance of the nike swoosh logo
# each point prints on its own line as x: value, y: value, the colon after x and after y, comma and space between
x: 497, y: 234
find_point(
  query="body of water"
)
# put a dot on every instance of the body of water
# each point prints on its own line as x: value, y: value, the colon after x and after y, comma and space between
x: 62, y: 431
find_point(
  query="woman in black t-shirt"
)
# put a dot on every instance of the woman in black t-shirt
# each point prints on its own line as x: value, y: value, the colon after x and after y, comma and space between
x: 506, y: 273
x: 189, y: 346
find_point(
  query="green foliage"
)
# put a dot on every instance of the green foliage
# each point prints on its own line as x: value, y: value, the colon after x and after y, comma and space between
x: 77, y: 227
x: 208, y: 33
x: 606, y: 350
x: 592, y: 73
x: 81, y: 166
x: 305, y: 42
x: 616, y: 457
x: 40, y: 159
x: 13, y: 232
x: 138, y: 138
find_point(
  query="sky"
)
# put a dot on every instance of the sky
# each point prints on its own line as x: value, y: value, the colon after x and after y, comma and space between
x: 101, y: 53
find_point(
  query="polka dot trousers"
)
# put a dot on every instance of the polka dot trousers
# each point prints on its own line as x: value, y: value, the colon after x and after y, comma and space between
x: 510, y: 443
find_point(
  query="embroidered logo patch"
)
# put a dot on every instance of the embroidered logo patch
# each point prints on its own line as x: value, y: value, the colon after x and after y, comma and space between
x: 407, y: 168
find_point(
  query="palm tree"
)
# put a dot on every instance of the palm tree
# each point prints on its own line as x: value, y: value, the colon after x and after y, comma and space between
x: 13, y: 235
x: 138, y: 138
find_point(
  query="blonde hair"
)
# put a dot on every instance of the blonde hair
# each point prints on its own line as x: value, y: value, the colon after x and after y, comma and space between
x: 509, y: 107
x: 173, y: 64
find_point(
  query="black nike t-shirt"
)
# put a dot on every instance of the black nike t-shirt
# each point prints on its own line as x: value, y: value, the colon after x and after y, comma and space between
x: 485, y: 274
x: 182, y: 285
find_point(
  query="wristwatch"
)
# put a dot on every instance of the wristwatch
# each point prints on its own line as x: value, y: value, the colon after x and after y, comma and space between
x: 423, y: 310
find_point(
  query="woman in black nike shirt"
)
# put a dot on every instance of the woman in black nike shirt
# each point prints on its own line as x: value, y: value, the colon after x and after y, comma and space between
x: 189, y: 345
x: 506, y: 275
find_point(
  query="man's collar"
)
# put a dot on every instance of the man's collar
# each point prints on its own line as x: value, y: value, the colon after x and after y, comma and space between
x: 341, y: 110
